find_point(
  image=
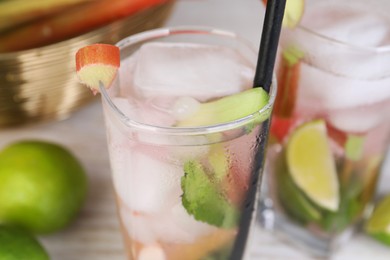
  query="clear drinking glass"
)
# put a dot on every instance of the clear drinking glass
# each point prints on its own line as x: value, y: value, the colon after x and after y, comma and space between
x: 183, y: 192
x: 331, y: 121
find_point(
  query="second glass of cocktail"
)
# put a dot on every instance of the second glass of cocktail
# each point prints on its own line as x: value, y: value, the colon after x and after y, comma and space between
x: 330, y: 125
x: 185, y: 128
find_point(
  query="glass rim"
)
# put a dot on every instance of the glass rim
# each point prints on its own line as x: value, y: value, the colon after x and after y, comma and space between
x: 195, y: 130
x: 378, y: 49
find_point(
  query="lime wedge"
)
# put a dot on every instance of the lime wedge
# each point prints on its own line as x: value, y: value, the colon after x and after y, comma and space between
x: 379, y: 221
x: 311, y: 164
x: 292, y: 199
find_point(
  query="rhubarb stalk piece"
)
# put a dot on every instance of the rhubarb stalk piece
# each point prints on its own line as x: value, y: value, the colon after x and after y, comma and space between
x: 288, y: 79
x: 97, y: 63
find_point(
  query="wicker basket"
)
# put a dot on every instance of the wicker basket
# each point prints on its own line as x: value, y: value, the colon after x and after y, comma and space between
x: 40, y: 84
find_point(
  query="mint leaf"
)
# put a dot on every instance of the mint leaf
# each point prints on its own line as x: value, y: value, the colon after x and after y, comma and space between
x: 204, y: 200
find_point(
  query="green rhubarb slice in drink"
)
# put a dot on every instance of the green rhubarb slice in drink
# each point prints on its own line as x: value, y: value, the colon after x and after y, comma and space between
x: 354, y: 147
x: 378, y: 225
x: 228, y: 109
x: 204, y: 194
x: 218, y: 159
x: 288, y: 75
x: 312, y: 166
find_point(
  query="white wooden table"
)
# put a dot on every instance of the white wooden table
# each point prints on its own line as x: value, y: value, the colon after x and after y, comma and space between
x: 95, y: 233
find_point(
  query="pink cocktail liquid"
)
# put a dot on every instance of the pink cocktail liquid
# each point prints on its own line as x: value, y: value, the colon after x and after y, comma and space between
x: 153, y: 217
x: 179, y: 192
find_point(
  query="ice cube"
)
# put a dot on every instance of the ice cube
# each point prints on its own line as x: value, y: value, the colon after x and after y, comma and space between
x: 154, y: 112
x: 187, y: 69
x: 126, y: 107
x: 171, y: 225
x: 138, y: 226
x: 166, y: 229
x: 184, y: 107
x: 336, y: 58
x: 187, y: 222
x: 147, y: 184
x: 143, y: 112
x: 353, y: 26
x: 360, y: 119
x: 352, y: 121
x: 320, y: 90
x: 350, y: 30
x: 117, y: 135
x: 175, y: 225
x: 350, y: 24
x: 126, y: 70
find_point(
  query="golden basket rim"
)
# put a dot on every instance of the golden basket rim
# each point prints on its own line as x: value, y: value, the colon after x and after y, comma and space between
x: 89, y: 35
x: 28, y: 92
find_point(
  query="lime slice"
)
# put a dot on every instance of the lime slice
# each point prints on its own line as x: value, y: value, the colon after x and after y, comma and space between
x: 311, y: 164
x: 379, y: 222
x: 292, y: 199
x: 378, y: 225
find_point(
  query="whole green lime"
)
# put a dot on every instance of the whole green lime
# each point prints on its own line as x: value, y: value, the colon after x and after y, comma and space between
x: 42, y: 186
x: 17, y: 244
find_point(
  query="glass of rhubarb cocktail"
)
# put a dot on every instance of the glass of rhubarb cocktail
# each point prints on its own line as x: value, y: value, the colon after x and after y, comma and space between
x: 331, y: 121
x: 186, y: 134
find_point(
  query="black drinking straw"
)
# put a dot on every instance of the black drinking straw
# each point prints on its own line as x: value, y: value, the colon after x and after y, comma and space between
x: 263, y: 78
x: 269, y: 43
